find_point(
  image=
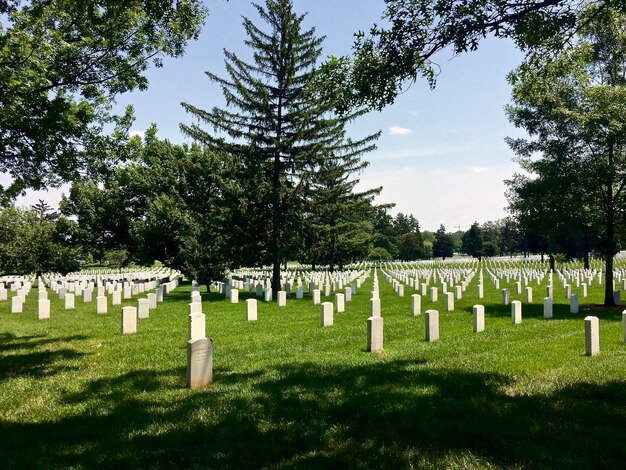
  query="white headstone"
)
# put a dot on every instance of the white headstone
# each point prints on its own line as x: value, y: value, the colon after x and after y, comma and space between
x: 281, y: 296
x: 431, y: 320
x: 528, y: 297
x: 339, y: 303
x: 234, y: 296
x: 416, y: 304
x: 152, y: 300
x: 251, y: 309
x: 69, y: 301
x: 44, y: 309
x: 573, y: 303
x: 374, y: 334
x: 16, y: 304
x: 516, y: 312
x: 326, y: 314
x: 199, y: 363
x: 547, y: 307
x: 449, y: 301
x: 375, y: 307
x: 478, y: 316
x: 592, y: 336
x: 196, y: 326
x: 129, y: 320
x: 316, y: 297
x: 101, y: 304
x: 143, y: 308
x: 116, y: 298
x: 505, y: 297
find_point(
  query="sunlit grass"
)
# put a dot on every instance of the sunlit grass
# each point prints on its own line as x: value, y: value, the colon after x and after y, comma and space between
x: 287, y: 393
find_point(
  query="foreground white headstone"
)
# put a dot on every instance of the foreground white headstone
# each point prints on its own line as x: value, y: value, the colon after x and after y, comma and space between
x: 478, y: 317
x: 573, y: 303
x: 199, y: 363
x: 624, y: 325
x: 516, y: 312
x: 431, y: 318
x: 449, y: 301
x: 101, y: 304
x: 374, y: 334
x: 480, y: 291
x: 44, y: 309
x: 116, y: 297
x: 268, y: 294
x: 547, y: 307
x: 281, y: 296
x: 326, y: 314
x: 592, y: 336
x: 251, y: 309
x: 16, y: 304
x: 129, y: 320
x: 433, y: 294
x: 69, y: 301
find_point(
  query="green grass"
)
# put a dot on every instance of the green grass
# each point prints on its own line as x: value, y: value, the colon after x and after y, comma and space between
x: 75, y: 393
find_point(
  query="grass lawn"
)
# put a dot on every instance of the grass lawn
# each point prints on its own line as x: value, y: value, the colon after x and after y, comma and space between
x: 75, y: 393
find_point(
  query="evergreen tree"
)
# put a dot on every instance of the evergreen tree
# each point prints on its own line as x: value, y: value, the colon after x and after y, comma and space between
x: 473, y: 241
x: 443, y: 245
x: 275, y: 129
x: 338, y: 220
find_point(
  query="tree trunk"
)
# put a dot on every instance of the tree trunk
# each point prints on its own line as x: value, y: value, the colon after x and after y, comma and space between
x: 609, y: 242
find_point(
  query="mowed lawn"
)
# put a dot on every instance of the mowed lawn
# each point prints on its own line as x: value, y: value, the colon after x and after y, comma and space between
x: 75, y: 393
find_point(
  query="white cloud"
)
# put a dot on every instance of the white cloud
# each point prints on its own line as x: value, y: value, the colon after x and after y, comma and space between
x: 480, y: 169
x: 414, y: 113
x: 397, y: 130
x: 140, y: 134
x: 436, y: 194
x: 426, y: 151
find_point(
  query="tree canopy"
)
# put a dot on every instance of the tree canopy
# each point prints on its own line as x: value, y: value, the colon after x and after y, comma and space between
x: 412, y: 32
x: 62, y: 63
x: 574, y: 109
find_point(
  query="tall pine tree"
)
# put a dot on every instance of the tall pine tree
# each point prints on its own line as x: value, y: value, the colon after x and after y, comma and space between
x: 274, y: 128
x: 338, y: 224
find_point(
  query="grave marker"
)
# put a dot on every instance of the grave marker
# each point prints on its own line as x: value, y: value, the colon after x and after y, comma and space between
x: 592, y: 336
x: 478, y: 317
x: 431, y: 321
x: 199, y: 363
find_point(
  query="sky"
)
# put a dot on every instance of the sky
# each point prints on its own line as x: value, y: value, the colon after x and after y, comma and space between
x: 441, y: 155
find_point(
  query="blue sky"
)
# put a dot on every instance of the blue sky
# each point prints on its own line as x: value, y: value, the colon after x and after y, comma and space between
x: 442, y: 155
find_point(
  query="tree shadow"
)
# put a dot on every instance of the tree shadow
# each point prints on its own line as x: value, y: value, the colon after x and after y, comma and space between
x: 15, y: 362
x: 386, y: 415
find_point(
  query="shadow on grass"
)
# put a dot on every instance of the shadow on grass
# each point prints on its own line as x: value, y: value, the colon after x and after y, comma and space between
x: 391, y: 415
x: 19, y: 357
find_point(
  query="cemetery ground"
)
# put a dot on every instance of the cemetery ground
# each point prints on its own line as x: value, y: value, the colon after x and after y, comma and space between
x: 287, y: 393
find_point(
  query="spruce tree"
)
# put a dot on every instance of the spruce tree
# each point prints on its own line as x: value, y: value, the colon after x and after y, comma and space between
x: 338, y: 217
x: 274, y: 128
